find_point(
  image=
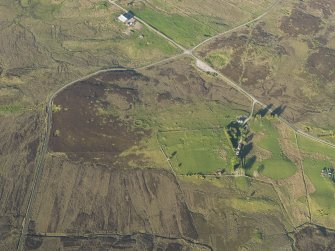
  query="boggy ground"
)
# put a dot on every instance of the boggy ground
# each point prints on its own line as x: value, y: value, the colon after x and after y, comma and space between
x: 81, y: 131
x: 90, y: 198
x: 315, y: 238
x: 285, y: 59
x: 18, y: 149
x: 113, y: 242
x: 237, y: 213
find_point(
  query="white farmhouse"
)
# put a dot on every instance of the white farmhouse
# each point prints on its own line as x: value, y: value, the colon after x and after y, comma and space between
x: 127, y: 18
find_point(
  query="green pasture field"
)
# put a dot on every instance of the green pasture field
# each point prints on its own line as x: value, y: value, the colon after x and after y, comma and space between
x: 191, y: 135
x: 316, y: 157
x: 278, y: 166
x: 323, y: 198
x: 308, y: 145
x: 190, y: 22
x: 197, y: 151
x: 182, y: 29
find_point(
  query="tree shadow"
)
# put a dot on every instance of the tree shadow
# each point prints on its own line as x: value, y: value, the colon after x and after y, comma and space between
x: 237, y: 165
x: 278, y: 111
x: 246, y: 150
x: 249, y: 137
x: 263, y: 111
x: 261, y: 168
x: 250, y: 162
x: 234, y: 133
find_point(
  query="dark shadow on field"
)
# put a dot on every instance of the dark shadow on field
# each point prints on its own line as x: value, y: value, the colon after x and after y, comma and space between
x: 246, y: 150
x: 237, y: 165
x: 247, y: 163
x: 263, y: 111
x: 173, y: 154
x: 250, y: 162
x: 261, y: 168
x: 314, y: 237
x: 278, y: 111
x: 234, y: 133
x: 249, y: 137
x: 322, y: 230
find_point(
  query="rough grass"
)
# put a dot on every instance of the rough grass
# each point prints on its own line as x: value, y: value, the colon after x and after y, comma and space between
x: 14, y: 108
x: 80, y: 31
x: 189, y: 21
x: 148, y: 148
x: 312, y: 146
x: 243, y: 183
x: 293, y: 72
x: 278, y: 166
x: 196, y: 116
x: 44, y: 9
x: 140, y: 46
x: 24, y: 3
x: 145, y: 44
x: 327, y: 134
x: 103, y: 4
x: 253, y: 205
x: 218, y: 59
x: 251, y: 217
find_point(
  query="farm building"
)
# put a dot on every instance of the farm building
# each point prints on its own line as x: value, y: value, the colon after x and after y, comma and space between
x: 240, y: 120
x: 327, y: 172
x: 239, y: 148
x: 127, y: 18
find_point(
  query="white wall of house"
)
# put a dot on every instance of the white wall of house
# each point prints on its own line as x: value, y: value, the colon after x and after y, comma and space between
x: 122, y: 18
